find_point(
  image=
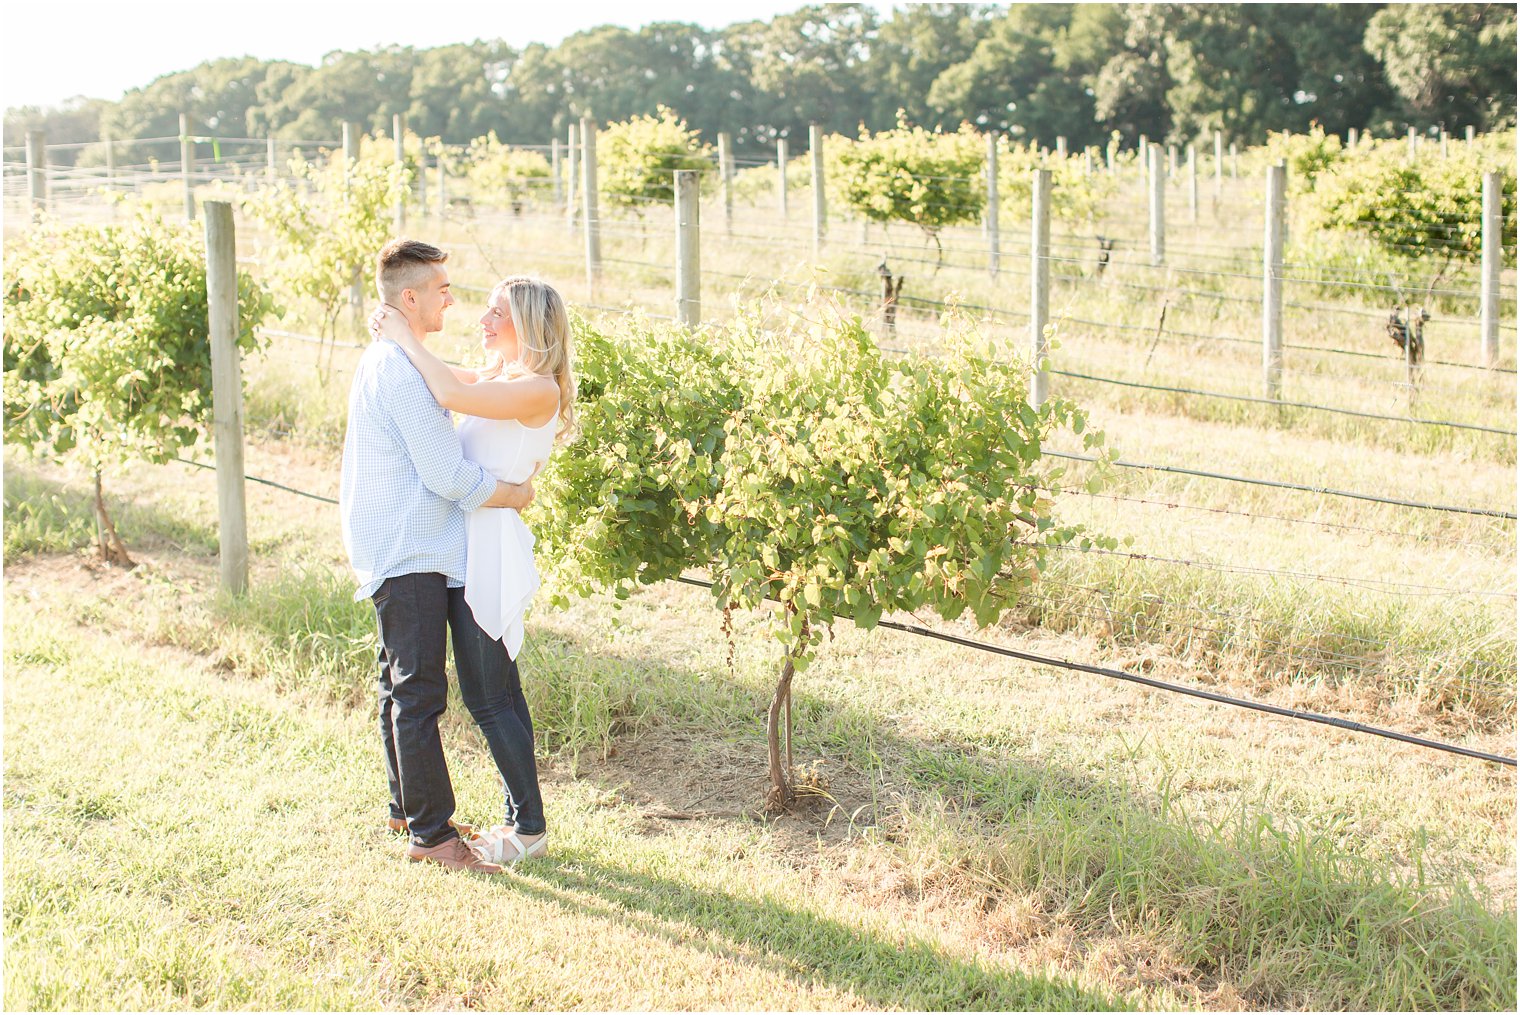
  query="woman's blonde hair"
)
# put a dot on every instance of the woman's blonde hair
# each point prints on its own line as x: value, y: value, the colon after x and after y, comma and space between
x: 543, y: 341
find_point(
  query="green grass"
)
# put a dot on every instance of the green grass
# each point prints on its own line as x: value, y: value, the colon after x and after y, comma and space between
x: 977, y: 833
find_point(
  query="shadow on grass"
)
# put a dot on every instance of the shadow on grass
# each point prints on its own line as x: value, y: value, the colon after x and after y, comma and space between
x: 47, y: 515
x: 1281, y: 910
x: 810, y: 949
x: 1284, y: 913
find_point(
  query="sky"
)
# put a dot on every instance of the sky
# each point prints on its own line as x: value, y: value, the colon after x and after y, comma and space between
x: 100, y: 50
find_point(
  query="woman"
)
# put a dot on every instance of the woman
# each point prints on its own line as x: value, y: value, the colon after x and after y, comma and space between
x: 513, y: 409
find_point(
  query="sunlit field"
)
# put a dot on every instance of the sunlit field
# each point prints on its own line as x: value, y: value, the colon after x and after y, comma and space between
x: 194, y: 801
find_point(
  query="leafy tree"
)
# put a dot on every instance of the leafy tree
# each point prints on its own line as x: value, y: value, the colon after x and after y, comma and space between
x: 1429, y: 211
x: 638, y: 157
x: 1073, y: 194
x: 804, y: 67
x: 913, y: 48
x: 107, y: 353
x: 456, y: 91
x: 911, y: 175
x: 326, y: 224
x: 500, y: 172
x: 75, y: 121
x: 1307, y: 155
x: 799, y: 465
x: 1011, y: 82
x: 1452, y: 63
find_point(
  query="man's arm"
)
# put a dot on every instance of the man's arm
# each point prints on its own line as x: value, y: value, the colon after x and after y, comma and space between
x: 432, y: 443
x: 511, y: 495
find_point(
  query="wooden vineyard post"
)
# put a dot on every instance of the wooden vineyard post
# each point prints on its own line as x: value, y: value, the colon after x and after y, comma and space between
x: 187, y: 165
x: 572, y: 166
x: 688, y: 248
x: 443, y: 186
x: 556, y: 168
x: 36, y: 171
x: 398, y: 216
x: 588, y: 197
x: 993, y: 259
x: 726, y: 178
x: 1218, y: 168
x: 271, y: 169
x: 781, y: 159
x: 226, y: 395
x: 1192, y: 169
x: 1039, y: 286
x: 1492, y: 226
x: 1272, y: 295
x: 1414, y: 146
x: 820, y: 206
x: 1157, y: 206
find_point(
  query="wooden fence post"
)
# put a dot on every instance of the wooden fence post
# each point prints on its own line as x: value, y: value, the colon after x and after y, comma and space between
x: 726, y: 178
x: 1234, y: 161
x: 688, y: 247
x: 572, y: 165
x: 398, y: 130
x: 1472, y: 133
x: 1272, y: 293
x: 1060, y: 147
x: 1352, y: 137
x: 994, y: 260
x: 820, y: 205
x: 110, y: 161
x: 1171, y: 161
x: 36, y: 171
x: 356, y: 281
x: 443, y: 184
x: 1192, y: 169
x: 1493, y: 188
x: 589, y: 196
x: 1157, y: 206
x: 1414, y: 145
x: 187, y: 165
x: 1039, y: 286
x: 1218, y: 167
x: 556, y: 168
x: 271, y: 168
x: 226, y: 395
x: 1445, y: 151
x: 781, y: 160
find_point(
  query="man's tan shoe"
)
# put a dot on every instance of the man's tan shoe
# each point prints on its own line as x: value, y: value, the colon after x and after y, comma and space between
x: 454, y: 855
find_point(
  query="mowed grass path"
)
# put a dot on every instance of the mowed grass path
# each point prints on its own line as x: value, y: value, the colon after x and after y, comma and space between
x: 177, y: 836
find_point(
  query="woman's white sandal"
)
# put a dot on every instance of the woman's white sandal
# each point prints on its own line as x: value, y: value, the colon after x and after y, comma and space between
x: 494, y: 846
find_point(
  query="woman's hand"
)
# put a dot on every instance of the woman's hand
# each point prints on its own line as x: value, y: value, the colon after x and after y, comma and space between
x: 386, y: 322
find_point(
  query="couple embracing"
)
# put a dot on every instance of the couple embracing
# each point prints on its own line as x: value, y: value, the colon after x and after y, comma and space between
x: 431, y: 525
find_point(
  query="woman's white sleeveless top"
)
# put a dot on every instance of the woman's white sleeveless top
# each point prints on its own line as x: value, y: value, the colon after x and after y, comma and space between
x: 500, y: 576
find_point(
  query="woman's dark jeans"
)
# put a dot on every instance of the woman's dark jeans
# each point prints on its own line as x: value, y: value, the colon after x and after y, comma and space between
x: 492, y: 691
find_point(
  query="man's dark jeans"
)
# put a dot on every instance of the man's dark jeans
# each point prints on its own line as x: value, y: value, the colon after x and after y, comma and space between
x: 492, y: 691
x: 411, y: 610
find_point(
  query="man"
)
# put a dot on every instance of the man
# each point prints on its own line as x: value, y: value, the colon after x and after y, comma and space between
x: 405, y: 492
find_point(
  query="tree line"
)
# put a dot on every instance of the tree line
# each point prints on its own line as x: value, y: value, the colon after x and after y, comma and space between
x: 1173, y: 72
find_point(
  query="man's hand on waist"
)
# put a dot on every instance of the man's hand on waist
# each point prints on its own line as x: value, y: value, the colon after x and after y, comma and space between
x: 511, y: 495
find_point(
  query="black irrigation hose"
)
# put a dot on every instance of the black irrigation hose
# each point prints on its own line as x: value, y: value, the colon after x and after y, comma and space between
x: 1163, y: 685
x: 1280, y: 485
x: 1291, y: 405
x: 1102, y: 671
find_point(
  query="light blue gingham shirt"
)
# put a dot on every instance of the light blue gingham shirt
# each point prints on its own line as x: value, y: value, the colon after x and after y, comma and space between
x: 406, y: 483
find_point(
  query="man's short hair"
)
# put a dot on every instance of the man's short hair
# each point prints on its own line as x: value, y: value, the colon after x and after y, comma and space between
x: 406, y: 264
